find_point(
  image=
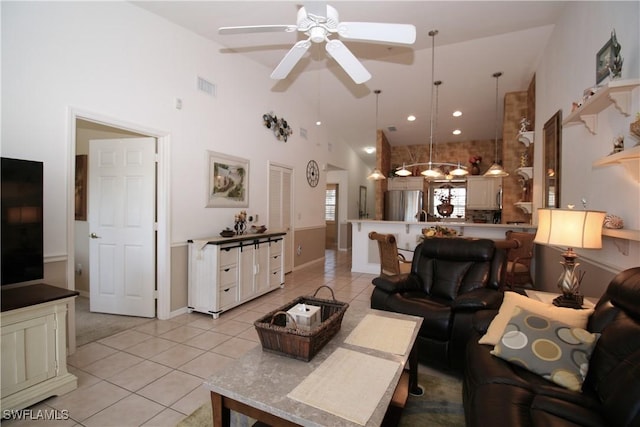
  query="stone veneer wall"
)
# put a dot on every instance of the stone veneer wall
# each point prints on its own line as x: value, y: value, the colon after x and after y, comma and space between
x: 515, y: 188
x: 450, y: 152
x: 516, y: 106
x: 383, y: 162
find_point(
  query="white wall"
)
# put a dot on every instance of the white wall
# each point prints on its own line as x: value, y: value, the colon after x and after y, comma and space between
x: 117, y: 60
x: 566, y: 69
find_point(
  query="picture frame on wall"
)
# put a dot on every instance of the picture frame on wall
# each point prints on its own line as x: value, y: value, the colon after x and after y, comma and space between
x: 228, y: 181
x: 552, y: 140
x: 604, y: 61
x: 81, y: 187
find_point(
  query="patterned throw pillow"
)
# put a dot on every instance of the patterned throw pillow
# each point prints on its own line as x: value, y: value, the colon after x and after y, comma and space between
x: 552, y: 349
x: 575, y: 318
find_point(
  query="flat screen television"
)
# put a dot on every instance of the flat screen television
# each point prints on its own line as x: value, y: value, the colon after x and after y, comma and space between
x: 22, y: 228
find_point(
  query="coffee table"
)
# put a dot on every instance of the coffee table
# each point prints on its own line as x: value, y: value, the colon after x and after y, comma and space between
x: 257, y: 384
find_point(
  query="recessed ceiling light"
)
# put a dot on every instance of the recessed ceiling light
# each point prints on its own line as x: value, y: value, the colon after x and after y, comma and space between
x: 370, y: 150
x: 318, y: 123
x: 457, y: 113
x: 411, y: 118
x: 457, y: 132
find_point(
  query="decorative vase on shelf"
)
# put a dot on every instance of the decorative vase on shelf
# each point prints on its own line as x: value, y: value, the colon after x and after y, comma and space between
x: 475, y: 170
x: 445, y: 209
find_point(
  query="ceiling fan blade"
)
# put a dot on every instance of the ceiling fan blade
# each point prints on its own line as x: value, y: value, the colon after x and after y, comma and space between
x: 381, y: 32
x: 257, y: 29
x: 290, y: 60
x: 343, y: 56
x: 316, y: 8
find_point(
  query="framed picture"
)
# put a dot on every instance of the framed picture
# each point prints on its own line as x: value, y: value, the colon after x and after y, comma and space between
x: 552, y: 134
x: 81, y: 187
x: 228, y: 181
x: 604, y: 61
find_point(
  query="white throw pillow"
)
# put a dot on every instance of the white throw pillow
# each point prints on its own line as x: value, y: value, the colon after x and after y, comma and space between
x: 570, y: 316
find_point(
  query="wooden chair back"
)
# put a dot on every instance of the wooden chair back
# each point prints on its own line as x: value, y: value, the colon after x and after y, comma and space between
x: 391, y: 261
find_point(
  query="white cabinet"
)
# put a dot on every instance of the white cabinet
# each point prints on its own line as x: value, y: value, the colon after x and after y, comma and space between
x: 483, y: 193
x: 406, y: 183
x: 226, y: 272
x: 33, y: 348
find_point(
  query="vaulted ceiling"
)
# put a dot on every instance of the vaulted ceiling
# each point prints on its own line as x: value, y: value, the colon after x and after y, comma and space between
x: 475, y: 39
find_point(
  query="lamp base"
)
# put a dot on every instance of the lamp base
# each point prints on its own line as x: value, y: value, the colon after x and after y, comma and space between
x: 569, y: 301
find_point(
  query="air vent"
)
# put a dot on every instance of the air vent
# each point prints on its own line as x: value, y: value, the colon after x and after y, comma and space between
x: 206, y: 87
x: 392, y: 128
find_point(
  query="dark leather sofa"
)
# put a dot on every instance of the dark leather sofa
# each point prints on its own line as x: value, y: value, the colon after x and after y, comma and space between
x: 450, y: 280
x: 496, y: 392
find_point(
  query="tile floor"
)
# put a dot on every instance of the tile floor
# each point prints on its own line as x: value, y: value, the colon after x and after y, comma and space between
x: 152, y: 375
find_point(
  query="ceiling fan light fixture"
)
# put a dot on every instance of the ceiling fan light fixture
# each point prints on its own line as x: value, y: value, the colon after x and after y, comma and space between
x: 318, y: 21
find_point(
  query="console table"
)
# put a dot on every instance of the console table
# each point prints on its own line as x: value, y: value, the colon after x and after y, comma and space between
x: 227, y: 271
x: 34, y: 340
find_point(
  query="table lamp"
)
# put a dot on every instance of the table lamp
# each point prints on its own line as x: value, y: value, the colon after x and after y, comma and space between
x: 573, y: 229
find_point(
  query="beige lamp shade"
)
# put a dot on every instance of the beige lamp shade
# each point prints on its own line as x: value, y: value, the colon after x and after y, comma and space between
x: 570, y: 228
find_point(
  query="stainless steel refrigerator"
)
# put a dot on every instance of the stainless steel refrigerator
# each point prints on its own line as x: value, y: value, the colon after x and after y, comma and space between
x: 403, y: 205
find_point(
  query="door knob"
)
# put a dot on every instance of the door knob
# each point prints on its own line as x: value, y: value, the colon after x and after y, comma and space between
x: 94, y: 236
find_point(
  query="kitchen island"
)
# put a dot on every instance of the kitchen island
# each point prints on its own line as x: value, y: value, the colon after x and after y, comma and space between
x: 366, y: 259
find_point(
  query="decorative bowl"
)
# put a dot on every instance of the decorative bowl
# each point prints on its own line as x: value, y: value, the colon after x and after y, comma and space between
x: 259, y: 229
x: 227, y: 233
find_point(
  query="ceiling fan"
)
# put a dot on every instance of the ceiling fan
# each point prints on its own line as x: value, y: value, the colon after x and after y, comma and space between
x: 318, y: 21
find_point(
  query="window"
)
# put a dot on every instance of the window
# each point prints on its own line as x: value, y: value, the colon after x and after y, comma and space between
x: 330, y: 205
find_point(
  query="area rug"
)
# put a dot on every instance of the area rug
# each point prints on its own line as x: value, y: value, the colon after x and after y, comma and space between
x: 439, y: 406
x: 94, y: 326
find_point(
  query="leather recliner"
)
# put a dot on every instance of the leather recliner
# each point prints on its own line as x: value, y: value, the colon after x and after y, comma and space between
x: 496, y: 392
x: 450, y: 280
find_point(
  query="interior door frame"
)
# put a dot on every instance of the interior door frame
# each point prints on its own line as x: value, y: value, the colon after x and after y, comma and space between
x: 163, y: 245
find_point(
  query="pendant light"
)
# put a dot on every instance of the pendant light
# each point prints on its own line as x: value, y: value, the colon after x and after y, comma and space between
x: 404, y: 171
x: 431, y: 172
x: 496, y: 170
x: 376, y: 174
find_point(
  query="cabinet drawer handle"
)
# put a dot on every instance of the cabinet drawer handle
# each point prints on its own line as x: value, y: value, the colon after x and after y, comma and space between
x: 227, y: 290
x: 227, y: 269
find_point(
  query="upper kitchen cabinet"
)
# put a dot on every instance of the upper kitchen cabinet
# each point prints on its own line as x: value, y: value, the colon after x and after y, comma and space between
x: 483, y: 193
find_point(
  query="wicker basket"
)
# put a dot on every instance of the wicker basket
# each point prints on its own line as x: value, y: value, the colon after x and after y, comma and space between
x: 297, y: 343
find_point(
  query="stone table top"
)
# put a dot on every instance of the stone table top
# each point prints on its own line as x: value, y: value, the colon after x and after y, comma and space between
x: 262, y: 380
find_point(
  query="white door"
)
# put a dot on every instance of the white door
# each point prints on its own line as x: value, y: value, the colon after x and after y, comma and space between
x: 280, y: 205
x: 122, y: 198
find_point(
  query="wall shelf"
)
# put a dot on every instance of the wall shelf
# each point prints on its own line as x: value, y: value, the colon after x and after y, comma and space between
x: 629, y: 159
x: 526, y: 172
x: 616, y: 92
x: 526, y: 138
x: 622, y: 237
x: 524, y: 206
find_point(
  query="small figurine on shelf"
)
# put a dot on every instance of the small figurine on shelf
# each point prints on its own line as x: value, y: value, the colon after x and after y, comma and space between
x: 524, y: 159
x: 524, y: 125
x: 618, y: 144
x: 240, y: 222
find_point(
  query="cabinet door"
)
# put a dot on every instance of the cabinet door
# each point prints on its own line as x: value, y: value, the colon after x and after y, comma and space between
x: 261, y: 259
x: 482, y: 192
x: 247, y: 271
x: 28, y: 353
